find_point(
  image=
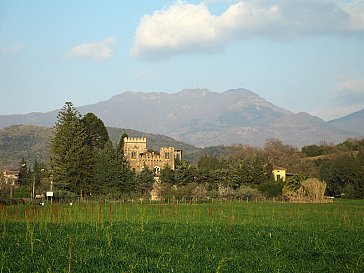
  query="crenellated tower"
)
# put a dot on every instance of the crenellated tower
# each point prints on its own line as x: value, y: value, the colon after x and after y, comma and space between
x: 136, y: 152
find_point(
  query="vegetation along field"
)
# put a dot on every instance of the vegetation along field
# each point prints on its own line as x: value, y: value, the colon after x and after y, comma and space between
x: 183, y: 237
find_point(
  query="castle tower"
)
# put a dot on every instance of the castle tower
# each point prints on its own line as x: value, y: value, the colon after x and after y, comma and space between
x: 134, y: 148
x: 135, y: 151
x: 167, y: 157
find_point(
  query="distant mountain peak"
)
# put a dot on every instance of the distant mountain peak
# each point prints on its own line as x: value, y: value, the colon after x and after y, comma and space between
x: 241, y: 91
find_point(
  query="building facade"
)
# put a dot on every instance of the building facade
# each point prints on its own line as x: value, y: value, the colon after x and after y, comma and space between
x: 10, y: 180
x: 11, y: 177
x: 139, y: 157
x: 279, y: 174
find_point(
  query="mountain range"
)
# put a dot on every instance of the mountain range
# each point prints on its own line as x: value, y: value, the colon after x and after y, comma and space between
x: 205, y: 118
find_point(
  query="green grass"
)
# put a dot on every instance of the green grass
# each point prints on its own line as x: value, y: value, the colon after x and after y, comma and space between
x: 218, y: 237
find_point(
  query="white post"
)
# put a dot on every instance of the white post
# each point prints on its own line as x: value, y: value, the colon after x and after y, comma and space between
x: 11, y: 190
x: 33, y: 187
x: 52, y: 191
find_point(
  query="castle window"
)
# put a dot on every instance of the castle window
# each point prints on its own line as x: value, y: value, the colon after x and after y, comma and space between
x: 166, y: 155
x: 157, y: 170
x: 133, y: 154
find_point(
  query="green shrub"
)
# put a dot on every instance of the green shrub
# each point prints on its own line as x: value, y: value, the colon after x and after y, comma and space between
x: 271, y: 188
x: 21, y: 192
x: 247, y: 192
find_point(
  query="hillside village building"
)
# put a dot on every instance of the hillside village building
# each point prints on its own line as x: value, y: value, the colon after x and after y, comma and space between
x: 138, y: 156
x: 11, y: 177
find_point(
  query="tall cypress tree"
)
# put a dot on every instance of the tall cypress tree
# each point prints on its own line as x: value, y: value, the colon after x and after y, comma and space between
x: 71, y: 158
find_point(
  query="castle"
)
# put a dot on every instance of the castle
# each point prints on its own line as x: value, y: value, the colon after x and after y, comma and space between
x: 138, y: 156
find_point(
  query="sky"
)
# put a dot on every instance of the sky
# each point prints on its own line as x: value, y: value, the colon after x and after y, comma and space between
x: 301, y: 55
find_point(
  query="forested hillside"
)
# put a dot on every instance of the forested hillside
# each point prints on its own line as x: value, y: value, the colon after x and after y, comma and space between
x: 31, y: 143
x: 23, y: 141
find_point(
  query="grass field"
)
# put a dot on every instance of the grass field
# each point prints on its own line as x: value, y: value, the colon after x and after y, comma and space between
x: 214, y: 237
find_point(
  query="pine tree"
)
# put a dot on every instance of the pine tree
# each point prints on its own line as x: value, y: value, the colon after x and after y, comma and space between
x: 96, y: 131
x: 71, y: 158
x: 168, y: 176
x: 105, y: 178
x: 39, y: 172
x: 125, y: 175
x: 120, y: 152
x: 144, y: 181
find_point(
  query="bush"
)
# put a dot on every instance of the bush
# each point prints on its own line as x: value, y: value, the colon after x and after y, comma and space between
x: 271, y: 188
x: 310, y: 190
x: 64, y: 195
x: 314, y: 189
x: 247, y: 192
x: 225, y: 191
x: 200, y: 192
x: 21, y: 192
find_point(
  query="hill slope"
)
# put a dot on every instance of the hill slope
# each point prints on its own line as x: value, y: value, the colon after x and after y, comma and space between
x: 353, y: 122
x: 23, y: 141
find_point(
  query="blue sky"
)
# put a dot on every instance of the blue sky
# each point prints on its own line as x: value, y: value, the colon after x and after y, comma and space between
x: 302, y: 55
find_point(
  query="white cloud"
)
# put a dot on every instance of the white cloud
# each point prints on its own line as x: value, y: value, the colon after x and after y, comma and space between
x: 192, y: 28
x: 356, y: 11
x: 348, y: 98
x: 97, y: 51
x: 350, y: 91
x: 337, y: 112
x: 180, y: 28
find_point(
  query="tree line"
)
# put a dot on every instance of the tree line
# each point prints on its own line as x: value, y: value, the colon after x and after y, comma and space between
x: 83, y: 162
